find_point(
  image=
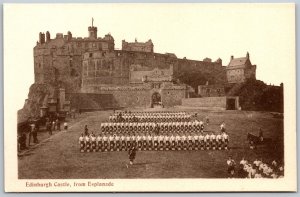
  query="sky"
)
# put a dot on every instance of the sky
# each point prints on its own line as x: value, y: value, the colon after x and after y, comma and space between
x: 194, y: 31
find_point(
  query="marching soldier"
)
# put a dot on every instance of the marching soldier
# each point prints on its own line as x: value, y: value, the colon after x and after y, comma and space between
x: 190, y: 142
x: 149, y: 142
x: 128, y: 141
x: 133, y: 140
x: 178, y: 142
x: 207, y: 141
x: 161, y: 142
x: 201, y: 127
x: 144, y: 141
x: 105, y: 142
x: 87, y: 143
x: 99, y: 142
x: 111, y: 140
x: 155, y: 139
x: 167, y: 142
x: 219, y: 141
x: 225, y: 140
x: 201, y: 141
x: 173, y: 142
x: 184, y: 141
x: 196, y: 139
x: 123, y: 142
x: 81, y: 143
x: 93, y: 140
x: 118, y: 143
x: 139, y: 141
x: 213, y: 141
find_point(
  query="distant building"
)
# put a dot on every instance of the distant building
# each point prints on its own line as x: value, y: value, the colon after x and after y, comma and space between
x: 138, y: 46
x: 240, y: 69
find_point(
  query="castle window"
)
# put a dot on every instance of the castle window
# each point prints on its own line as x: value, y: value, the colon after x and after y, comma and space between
x: 168, y: 93
x: 91, y: 55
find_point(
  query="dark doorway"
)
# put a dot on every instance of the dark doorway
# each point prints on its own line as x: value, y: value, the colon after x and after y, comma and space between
x: 231, y: 104
x: 156, y: 99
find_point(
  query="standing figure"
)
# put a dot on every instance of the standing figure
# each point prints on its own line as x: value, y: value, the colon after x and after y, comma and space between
x: 207, y: 120
x: 132, y: 155
x: 231, y: 167
x: 222, y: 127
x: 57, y: 124
x: 86, y: 130
x: 66, y: 126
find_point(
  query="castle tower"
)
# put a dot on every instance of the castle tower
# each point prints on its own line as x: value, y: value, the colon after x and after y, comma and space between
x: 92, y: 30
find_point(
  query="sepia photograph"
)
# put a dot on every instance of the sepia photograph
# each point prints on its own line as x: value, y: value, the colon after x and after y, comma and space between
x: 149, y: 97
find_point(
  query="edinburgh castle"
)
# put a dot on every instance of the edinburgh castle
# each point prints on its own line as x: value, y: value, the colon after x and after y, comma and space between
x: 75, y: 73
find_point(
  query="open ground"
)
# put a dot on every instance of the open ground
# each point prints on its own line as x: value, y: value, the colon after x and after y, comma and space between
x: 59, y: 156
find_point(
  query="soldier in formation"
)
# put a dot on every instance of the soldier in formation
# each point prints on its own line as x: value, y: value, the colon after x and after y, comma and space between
x: 147, y: 141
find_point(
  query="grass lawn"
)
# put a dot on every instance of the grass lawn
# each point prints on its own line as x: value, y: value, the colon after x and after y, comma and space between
x: 59, y: 157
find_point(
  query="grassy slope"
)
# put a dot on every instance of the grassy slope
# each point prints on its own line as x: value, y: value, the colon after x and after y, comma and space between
x: 60, y: 158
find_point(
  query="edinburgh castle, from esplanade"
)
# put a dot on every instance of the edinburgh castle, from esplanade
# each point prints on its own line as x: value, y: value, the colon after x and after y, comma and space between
x: 88, y: 74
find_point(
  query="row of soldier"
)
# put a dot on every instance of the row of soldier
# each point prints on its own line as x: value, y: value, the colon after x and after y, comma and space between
x: 149, y: 118
x: 190, y: 141
x: 150, y: 113
x: 195, y: 126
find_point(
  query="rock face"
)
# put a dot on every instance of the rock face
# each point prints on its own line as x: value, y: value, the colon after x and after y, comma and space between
x: 37, y: 97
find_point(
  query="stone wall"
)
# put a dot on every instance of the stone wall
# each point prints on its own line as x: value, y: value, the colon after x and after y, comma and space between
x: 140, y: 96
x: 211, y: 90
x: 85, y: 101
x: 206, y: 102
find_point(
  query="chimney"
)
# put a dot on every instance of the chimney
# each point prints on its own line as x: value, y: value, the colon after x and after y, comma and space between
x: 247, y: 56
x: 48, y: 36
x: 69, y: 36
x: 231, y: 58
x: 42, y: 38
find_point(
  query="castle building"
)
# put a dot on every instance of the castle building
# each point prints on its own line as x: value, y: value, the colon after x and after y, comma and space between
x: 240, y: 69
x: 94, y: 75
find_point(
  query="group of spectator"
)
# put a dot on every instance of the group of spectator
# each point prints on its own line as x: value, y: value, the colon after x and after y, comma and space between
x: 255, y: 169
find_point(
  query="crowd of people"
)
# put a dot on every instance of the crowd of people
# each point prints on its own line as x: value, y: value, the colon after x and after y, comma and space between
x: 171, y: 141
x: 255, y: 169
x: 30, y: 136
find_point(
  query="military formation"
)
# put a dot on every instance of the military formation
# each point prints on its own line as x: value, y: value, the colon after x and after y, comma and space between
x: 156, y: 131
x: 147, y: 117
